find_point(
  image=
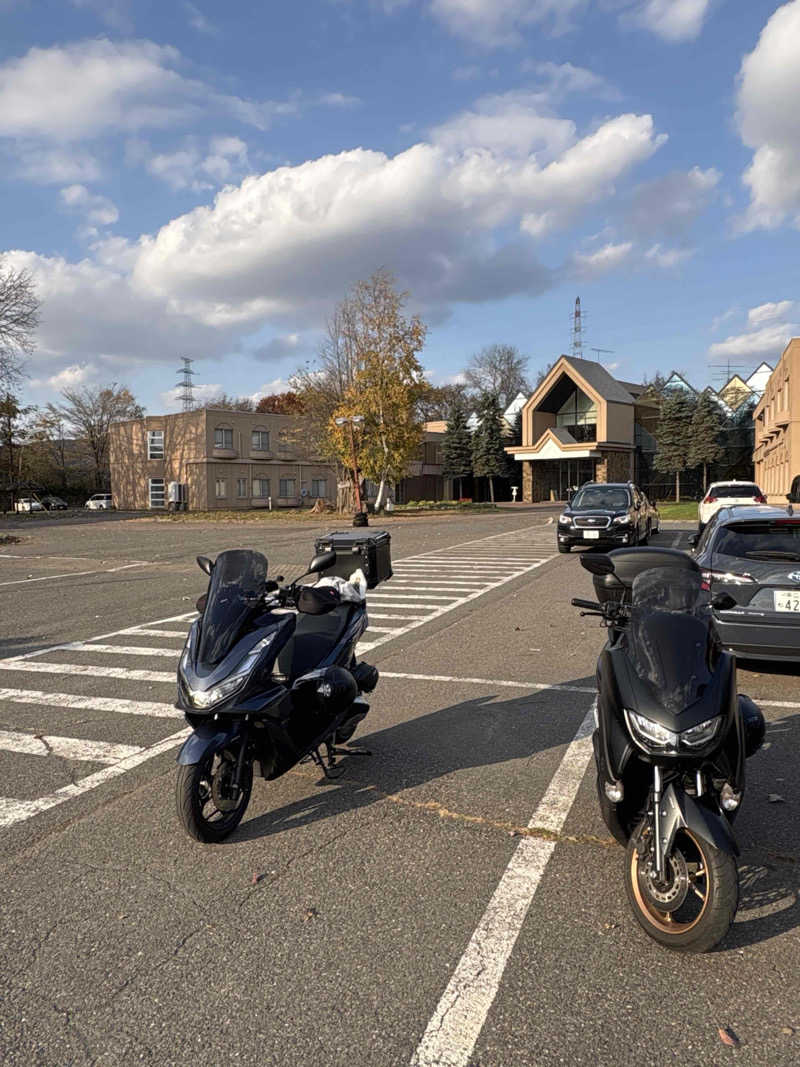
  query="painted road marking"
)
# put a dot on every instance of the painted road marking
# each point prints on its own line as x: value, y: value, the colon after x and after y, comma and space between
x: 72, y: 574
x: 90, y: 703
x: 67, y: 747
x: 90, y: 670
x: 13, y: 811
x: 458, y: 1019
x: 127, y: 650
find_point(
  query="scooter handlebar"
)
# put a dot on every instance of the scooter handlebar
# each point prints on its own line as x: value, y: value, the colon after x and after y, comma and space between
x: 587, y: 605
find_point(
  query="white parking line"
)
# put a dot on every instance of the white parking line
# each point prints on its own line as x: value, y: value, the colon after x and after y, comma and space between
x: 75, y: 748
x: 90, y: 703
x: 12, y: 810
x: 489, y: 681
x: 85, y: 669
x: 458, y: 1020
x: 125, y: 650
x: 72, y: 574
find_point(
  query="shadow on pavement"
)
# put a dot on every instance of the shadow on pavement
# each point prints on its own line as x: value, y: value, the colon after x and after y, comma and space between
x: 471, y: 734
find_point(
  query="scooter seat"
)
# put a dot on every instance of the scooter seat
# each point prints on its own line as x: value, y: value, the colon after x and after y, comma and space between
x: 314, y: 638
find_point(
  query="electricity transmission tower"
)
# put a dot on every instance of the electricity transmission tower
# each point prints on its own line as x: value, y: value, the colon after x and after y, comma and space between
x: 185, y: 387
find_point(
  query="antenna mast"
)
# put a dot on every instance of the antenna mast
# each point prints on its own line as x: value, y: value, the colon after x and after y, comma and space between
x: 577, y: 330
x: 603, y: 352
x: 185, y: 387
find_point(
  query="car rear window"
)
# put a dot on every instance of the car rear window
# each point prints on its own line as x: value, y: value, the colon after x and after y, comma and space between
x: 598, y: 496
x: 729, y: 492
x: 743, y: 539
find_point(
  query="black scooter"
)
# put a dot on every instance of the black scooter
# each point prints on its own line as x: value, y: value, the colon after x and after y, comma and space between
x: 268, y: 677
x: 670, y: 743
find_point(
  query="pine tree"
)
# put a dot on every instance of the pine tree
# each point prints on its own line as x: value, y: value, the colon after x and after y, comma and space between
x: 488, y: 457
x: 673, y: 435
x: 705, y: 447
x: 457, y: 447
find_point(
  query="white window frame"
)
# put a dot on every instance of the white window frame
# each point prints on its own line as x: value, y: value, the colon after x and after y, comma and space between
x: 284, y: 481
x: 257, y: 440
x: 153, y: 498
x: 223, y: 431
x: 224, y: 494
x: 259, y: 495
x: 155, y: 444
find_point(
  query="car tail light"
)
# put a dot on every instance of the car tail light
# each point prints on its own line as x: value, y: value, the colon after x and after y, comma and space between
x: 728, y: 577
x: 710, y: 500
x: 760, y: 499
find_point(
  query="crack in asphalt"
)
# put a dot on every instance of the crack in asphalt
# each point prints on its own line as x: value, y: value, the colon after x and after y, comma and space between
x: 266, y: 880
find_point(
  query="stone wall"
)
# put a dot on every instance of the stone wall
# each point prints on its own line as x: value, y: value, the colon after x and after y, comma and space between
x: 614, y: 467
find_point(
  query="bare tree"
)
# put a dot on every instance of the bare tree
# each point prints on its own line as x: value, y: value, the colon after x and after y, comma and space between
x: 500, y: 370
x: 89, y: 412
x: 19, y: 317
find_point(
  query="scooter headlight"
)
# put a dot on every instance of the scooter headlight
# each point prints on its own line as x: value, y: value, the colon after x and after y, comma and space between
x: 208, y: 698
x: 652, y: 736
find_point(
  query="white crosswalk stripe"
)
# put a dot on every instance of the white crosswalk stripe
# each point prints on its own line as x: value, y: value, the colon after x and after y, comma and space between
x: 425, y: 587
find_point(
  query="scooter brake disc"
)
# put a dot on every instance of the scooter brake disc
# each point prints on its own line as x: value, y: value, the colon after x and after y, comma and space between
x: 222, y: 791
x: 669, y: 893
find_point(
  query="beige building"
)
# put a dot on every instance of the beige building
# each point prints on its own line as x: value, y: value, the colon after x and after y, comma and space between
x: 580, y: 425
x: 215, y: 458
x: 776, y: 454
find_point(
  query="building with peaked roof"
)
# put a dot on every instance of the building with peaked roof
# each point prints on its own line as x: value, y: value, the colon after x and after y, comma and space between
x: 776, y: 454
x: 580, y: 425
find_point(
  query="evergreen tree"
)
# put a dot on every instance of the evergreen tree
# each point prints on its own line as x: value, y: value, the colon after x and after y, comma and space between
x: 457, y: 447
x: 706, y: 425
x: 488, y: 457
x: 673, y: 435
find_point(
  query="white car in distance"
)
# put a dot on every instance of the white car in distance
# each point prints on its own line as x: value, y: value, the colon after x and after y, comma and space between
x: 100, y: 502
x: 28, y: 503
x: 725, y: 495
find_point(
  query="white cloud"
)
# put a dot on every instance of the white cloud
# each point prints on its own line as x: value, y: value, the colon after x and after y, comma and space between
x: 668, y: 257
x: 52, y: 165
x: 559, y: 79
x: 769, y: 312
x: 194, y: 168
x: 605, y: 259
x: 97, y: 210
x: 769, y: 328
x: 114, y: 13
x: 84, y: 89
x: 769, y: 121
x: 501, y: 22
x: 671, y: 203
x: 673, y: 20
x: 197, y: 20
x: 170, y: 400
x: 69, y: 378
x: 510, y: 123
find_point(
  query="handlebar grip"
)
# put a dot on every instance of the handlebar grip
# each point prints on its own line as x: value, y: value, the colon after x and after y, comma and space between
x: 587, y: 605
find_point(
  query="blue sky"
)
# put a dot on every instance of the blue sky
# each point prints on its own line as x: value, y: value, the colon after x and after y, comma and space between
x: 207, y: 180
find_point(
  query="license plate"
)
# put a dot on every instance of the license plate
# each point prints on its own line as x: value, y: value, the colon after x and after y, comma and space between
x: 787, y: 599
x: 591, y: 535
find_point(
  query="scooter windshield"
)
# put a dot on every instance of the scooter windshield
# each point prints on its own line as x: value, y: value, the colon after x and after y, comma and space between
x: 670, y: 634
x: 234, y: 593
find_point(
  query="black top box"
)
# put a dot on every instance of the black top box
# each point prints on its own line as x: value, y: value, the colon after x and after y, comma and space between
x: 372, y: 552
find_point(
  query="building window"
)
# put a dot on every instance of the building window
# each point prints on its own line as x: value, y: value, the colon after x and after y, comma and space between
x: 283, y: 441
x: 287, y: 488
x: 155, y: 444
x: 221, y: 489
x: 156, y: 492
x: 319, y: 487
x: 261, y: 488
x: 578, y: 416
x: 259, y: 441
x: 223, y: 438
x: 241, y: 487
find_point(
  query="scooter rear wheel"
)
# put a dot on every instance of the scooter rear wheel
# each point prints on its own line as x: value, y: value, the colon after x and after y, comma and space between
x: 209, y: 808
x: 691, y: 909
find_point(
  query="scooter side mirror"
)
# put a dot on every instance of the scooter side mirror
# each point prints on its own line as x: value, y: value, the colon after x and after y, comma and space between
x: 693, y: 540
x: 599, y: 564
x: 322, y: 562
x: 205, y: 564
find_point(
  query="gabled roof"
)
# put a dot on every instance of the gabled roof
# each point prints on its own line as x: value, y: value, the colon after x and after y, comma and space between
x: 759, y: 378
x: 595, y: 375
x: 677, y: 381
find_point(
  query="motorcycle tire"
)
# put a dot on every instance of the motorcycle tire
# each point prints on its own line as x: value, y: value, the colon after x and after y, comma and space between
x: 710, y: 893
x: 195, y: 793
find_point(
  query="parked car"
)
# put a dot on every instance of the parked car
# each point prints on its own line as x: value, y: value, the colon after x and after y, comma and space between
x: 28, y: 503
x: 724, y: 495
x: 100, y: 502
x: 604, y: 513
x: 54, y: 503
x: 653, y: 514
x: 793, y: 496
x: 752, y: 553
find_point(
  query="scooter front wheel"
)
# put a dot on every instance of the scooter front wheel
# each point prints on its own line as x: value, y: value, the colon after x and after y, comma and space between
x: 690, y: 908
x: 209, y: 806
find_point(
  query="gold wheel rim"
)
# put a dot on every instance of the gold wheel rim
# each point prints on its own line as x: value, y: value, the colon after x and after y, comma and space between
x: 662, y: 920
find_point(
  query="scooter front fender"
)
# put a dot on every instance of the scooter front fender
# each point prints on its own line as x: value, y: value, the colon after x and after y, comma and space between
x: 206, y: 737
x: 679, y: 810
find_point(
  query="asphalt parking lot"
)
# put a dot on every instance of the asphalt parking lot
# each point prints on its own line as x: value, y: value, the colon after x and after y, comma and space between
x: 454, y: 899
